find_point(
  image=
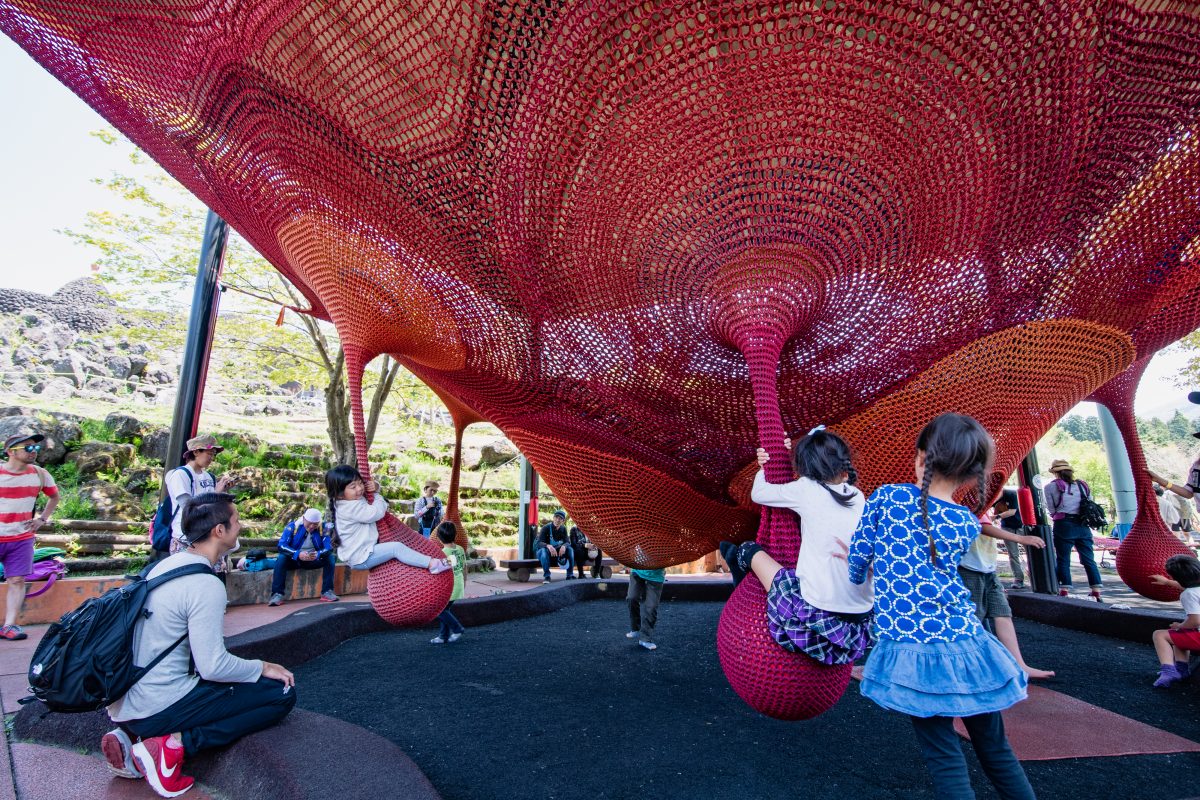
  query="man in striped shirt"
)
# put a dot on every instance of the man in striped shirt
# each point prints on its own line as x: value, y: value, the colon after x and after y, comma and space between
x: 21, y: 481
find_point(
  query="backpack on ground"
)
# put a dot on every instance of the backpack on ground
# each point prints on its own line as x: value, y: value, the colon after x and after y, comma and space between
x: 86, y: 661
x: 160, y: 526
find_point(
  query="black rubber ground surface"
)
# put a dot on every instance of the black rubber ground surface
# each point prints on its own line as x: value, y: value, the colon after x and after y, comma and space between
x: 563, y: 706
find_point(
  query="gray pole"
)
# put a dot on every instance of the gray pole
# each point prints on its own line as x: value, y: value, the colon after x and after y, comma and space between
x: 528, y: 516
x: 1124, y: 492
x: 198, y: 347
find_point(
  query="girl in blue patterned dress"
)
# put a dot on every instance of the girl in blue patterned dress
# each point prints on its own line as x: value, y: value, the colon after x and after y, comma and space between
x: 812, y: 609
x: 932, y: 659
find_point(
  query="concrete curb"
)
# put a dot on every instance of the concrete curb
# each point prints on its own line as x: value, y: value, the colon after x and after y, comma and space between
x: 1088, y: 616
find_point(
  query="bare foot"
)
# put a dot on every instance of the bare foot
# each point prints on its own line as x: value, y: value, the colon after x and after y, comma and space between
x: 857, y: 671
x: 1038, y: 674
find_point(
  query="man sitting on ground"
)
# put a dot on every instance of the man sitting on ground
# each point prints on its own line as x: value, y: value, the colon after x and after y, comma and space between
x: 305, y: 544
x: 553, y: 544
x: 174, y: 709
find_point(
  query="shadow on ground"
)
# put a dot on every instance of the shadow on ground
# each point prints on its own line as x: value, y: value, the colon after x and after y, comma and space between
x: 562, y: 706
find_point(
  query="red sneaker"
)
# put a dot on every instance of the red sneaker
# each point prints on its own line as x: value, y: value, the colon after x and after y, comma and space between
x: 118, y: 750
x: 162, y: 766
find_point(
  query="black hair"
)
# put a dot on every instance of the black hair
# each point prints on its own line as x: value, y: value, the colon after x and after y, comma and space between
x: 1185, y: 570
x: 336, y: 481
x: 957, y: 448
x: 823, y: 456
x: 447, y: 532
x: 203, y: 512
x: 1009, y: 498
x: 1158, y: 490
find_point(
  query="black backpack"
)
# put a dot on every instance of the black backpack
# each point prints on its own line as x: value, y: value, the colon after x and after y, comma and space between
x: 1091, y: 513
x: 85, y: 660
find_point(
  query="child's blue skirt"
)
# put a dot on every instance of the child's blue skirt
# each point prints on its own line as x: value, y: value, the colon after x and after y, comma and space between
x: 973, y: 675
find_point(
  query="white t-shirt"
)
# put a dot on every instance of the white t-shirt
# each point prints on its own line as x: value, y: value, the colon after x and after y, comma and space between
x: 824, y: 579
x: 981, y: 555
x: 1190, y: 600
x: 1168, y: 510
x: 180, y: 488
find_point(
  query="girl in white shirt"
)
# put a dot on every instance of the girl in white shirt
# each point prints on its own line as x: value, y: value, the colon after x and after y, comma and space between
x: 356, y: 528
x: 814, y: 608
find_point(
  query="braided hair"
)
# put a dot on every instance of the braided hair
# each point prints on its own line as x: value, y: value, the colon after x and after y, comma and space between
x: 823, y: 456
x: 336, y: 481
x: 956, y: 448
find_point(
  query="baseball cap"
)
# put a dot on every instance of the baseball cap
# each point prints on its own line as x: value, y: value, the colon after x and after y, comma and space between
x: 18, y: 438
x: 312, y: 515
x: 561, y: 514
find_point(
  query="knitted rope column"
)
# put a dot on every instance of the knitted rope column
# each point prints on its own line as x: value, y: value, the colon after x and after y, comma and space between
x: 452, y: 512
x: 401, y: 594
x: 763, y: 310
x: 1149, y: 544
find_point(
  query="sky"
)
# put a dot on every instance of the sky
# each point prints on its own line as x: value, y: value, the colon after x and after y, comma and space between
x: 49, y: 159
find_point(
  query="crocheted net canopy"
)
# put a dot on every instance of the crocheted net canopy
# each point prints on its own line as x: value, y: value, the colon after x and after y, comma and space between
x: 616, y: 229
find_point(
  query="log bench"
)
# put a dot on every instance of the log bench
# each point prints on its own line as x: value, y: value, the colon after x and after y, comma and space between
x: 520, y: 569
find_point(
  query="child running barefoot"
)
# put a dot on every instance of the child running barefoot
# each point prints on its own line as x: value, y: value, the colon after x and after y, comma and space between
x: 1175, y: 645
x: 356, y: 532
x: 814, y: 608
x: 932, y: 659
x: 451, y: 629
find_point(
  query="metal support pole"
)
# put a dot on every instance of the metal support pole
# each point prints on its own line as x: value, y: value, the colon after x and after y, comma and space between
x: 201, y: 323
x: 527, y: 522
x: 1042, y: 577
x: 1124, y: 491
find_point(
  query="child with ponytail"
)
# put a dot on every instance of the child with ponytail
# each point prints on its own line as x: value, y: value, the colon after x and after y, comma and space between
x: 932, y: 658
x: 812, y: 609
x: 356, y: 528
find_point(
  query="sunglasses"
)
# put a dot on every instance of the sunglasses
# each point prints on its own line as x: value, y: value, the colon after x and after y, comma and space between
x: 29, y: 448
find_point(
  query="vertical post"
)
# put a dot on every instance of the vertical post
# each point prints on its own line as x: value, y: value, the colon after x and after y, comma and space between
x: 1042, y: 577
x: 528, y: 516
x: 198, y: 347
x: 1124, y: 491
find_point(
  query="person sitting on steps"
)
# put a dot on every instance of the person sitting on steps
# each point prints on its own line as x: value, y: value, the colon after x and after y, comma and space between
x: 305, y: 544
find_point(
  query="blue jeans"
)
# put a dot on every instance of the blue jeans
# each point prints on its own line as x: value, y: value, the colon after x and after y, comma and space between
x: 284, y: 563
x: 449, y: 622
x: 1069, y: 535
x: 543, y: 555
x: 942, y: 751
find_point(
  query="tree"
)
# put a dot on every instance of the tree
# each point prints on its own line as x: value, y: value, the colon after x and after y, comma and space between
x: 1180, y: 427
x: 148, y: 257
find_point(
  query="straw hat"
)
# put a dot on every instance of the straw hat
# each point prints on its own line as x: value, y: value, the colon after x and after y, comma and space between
x: 1058, y: 465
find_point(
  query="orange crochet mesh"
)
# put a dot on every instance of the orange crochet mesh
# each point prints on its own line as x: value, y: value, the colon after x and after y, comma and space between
x: 643, y: 237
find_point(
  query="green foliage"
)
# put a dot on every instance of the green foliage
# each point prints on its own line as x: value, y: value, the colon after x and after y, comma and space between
x: 93, y: 430
x: 239, y: 453
x: 1081, y: 428
x: 66, y: 475
x: 72, y: 505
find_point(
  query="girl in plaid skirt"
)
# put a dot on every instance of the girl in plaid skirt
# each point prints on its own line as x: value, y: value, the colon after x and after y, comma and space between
x: 813, y: 609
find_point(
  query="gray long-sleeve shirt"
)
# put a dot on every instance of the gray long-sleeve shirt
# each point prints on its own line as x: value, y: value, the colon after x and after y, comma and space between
x: 194, y: 604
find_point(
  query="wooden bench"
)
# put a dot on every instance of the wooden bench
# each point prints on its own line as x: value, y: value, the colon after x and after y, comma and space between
x: 520, y: 569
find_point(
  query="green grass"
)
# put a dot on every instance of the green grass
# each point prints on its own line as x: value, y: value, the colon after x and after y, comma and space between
x: 94, y: 430
x: 72, y: 506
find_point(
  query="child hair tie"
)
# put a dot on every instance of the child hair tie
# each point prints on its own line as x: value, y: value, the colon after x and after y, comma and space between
x: 817, y: 429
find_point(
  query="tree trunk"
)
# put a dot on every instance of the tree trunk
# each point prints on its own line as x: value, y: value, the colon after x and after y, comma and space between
x: 337, y: 412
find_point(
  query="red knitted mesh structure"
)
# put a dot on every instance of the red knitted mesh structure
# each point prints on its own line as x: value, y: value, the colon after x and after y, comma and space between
x: 643, y: 237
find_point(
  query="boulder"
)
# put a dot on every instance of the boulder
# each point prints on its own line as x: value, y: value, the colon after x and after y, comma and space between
x: 118, y: 366
x: 16, y: 411
x: 272, y: 409
x: 248, y: 481
x: 54, y: 390
x: 97, y: 457
x: 57, y: 433
x: 495, y: 453
x: 138, y: 481
x: 240, y: 440
x: 137, y: 365
x: 125, y: 427
x: 111, y: 501
x: 71, y: 366
x: 154, y: 444
x: 157, y: 373
x: 23, y: 356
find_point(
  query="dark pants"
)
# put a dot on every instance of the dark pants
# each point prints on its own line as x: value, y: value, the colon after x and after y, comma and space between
x: 581, y: 560
x: 216, y: 714
x: 449, y: 622
x: 284, y: 562
x: 942, y: 751
x: 643, y: 600
x: 1069, y: 535
x: 543, y: 555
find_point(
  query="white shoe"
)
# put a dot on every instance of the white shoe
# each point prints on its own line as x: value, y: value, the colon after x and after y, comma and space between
x: 631, y: 635
x: 649, y: 645
x: 437, y: 640
x: 118, y: 751
x: 438, y: 565
x: 454, y: 637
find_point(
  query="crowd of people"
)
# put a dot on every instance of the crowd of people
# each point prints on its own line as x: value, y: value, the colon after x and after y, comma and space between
x: 906, y: 578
